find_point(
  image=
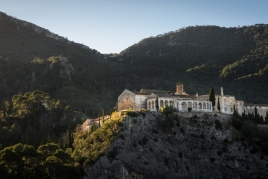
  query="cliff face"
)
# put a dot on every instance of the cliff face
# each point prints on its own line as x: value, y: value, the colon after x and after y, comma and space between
x: 156, y: 146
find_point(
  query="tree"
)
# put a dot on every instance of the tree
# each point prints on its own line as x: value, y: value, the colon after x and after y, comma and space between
x: 47, y: 150
x: 6, y: 108
x: 235, y: 113
x: 212, y: 96
x: 168, y: 111
x: 156, y: 104
x: 218, y: 105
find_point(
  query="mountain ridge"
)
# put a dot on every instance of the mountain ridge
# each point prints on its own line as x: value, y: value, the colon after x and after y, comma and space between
x: 199, y: 57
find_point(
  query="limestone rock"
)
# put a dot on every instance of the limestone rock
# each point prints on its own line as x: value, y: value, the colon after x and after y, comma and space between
x: 190, y: 148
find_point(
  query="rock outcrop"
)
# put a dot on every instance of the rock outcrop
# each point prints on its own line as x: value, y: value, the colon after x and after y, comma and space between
x: 155, y: 146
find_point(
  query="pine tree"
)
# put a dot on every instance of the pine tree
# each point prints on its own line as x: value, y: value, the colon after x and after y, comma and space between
x: 212, y: 96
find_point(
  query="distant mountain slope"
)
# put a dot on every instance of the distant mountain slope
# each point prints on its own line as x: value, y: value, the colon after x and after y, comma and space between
x: 24, y: 40
x: 33, y: 58
x: 208, y: 55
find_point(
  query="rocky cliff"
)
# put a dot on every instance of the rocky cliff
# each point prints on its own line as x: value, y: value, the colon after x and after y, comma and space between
x: 156, y: 146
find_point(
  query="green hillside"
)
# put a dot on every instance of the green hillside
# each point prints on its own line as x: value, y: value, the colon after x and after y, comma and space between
x: 33, y: 58
x: 200, y: 56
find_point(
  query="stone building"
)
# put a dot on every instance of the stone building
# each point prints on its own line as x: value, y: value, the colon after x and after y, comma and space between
x: 262, y: 109
x: 137, y: 100
x: 227, y: 103
x: 146, y: 99
x: 183, y: 102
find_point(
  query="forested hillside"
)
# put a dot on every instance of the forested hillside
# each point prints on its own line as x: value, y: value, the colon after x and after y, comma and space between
x: 49, y: 85
x: 33, y: 58
x: 200, y: 56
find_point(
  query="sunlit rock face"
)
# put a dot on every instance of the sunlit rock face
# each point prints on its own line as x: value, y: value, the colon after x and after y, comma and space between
x: 180, y: 147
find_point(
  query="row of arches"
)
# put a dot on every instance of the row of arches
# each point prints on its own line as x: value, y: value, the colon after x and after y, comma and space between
x: 162, y: 103
x: 151, y: 105
x: 195, y: 105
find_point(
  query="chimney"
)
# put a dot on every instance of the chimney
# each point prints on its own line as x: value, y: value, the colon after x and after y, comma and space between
x: 221, y: 91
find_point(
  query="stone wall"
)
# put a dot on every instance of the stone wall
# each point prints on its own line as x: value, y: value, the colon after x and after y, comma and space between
x: 199, y: 114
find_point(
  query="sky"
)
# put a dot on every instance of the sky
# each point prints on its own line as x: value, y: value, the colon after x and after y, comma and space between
x: 110, y: 26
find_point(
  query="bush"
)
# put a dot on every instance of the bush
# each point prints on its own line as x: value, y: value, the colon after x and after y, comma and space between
x: 144, y: 140
x: 166, y: 124
x: 218, y: 124
x: 154, y: 131
x: 180, y: 155
x: 237, y: 123
x: 122, y: 136
x: 112, y: 153
x: 212, y: 159
x: 249, y: 129
x: 182, y: 130
x: 132, y: 113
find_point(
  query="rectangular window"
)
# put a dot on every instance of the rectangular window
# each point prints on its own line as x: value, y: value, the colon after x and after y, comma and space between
x: 225, y: 100
x: 231, y: 100
x: 231, y: 109
x: 225, y: 109
x: 140, y: 99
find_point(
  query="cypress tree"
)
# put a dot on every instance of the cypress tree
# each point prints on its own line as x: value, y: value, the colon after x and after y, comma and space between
x: 70, y: 141
x: 212, y: 96
x: 156, y: 104
x: 218, y: 105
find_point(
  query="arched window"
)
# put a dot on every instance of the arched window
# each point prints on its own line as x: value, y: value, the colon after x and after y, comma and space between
x: 184, y: 105
x: 149, y: 105
x: 170, y: 103
x: 195, y: 105
x: 204, y: 105
x: 200, y: 105
x: 166, y: 102
x: 190, y: 105
x: 207, y: 105
x: 161, y: 103
x: 152, y: 104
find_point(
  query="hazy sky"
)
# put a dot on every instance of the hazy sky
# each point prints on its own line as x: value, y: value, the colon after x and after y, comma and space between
x: 111, y: 26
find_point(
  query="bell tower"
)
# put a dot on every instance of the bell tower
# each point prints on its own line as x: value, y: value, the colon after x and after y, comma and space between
x: 179, y: 88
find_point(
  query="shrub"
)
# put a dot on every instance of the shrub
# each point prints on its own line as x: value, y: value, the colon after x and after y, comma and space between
x: 182, y: 130
x: 249, y: 129
x: 237, y: 123
x: 112, y: 153
x: 154, y: 131
x: 132, y: 113
x: 218, y: 124
x: 144, y: 140
x: 226, y: 141
x: 143, y: 113
x: 212, y: 159
x: 180, y: 155
x: 122, y: 136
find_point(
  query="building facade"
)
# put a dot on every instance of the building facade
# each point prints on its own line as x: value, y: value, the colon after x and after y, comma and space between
x: 183, y: 102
